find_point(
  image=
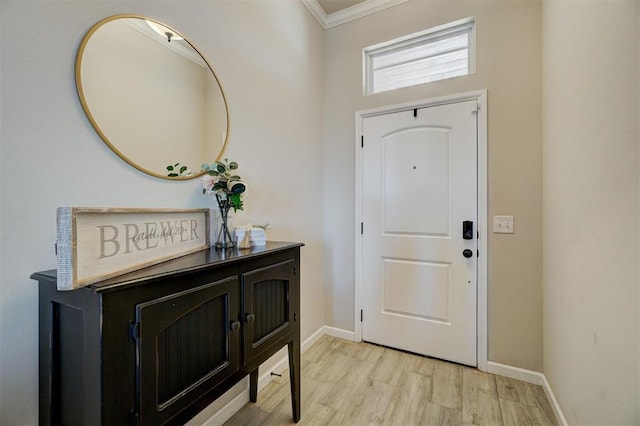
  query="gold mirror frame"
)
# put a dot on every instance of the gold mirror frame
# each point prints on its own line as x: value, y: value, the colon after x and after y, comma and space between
x: 113, y: 145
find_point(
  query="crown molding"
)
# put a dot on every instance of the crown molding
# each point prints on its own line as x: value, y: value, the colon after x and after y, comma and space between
x: 185, y: 50
x: 349, y: 14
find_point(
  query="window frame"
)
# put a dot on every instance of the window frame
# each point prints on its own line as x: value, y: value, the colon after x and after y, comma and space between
x: 451, y: 29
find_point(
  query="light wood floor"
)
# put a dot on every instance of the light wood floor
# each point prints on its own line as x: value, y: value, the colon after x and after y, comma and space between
x: 346, y: 383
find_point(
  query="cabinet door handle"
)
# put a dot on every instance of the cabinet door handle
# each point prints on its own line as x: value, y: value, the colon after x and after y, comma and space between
x: 235, y: 326
x: 250, y: 318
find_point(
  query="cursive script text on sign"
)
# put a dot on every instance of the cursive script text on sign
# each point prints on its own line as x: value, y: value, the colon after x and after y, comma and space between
x: 132, y: 237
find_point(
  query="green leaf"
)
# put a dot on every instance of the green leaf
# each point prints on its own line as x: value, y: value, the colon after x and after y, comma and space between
x: 233, y: 165
x: 221, y: 168
x: 170, y: 168
x: 183, y: 169
x: 172, y: 175
x: 236, y: 202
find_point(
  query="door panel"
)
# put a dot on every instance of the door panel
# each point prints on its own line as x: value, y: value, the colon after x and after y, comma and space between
x: 186, y: 344
x: 416, y: 161
x: 268, y: 307
x: 421, y: 290
x: 419, y: 185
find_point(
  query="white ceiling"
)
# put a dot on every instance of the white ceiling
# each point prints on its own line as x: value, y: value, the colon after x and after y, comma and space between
x: 332, y: 6
x: 330, y: 13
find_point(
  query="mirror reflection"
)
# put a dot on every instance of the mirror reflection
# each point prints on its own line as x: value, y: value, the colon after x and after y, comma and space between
x: 151, y: 96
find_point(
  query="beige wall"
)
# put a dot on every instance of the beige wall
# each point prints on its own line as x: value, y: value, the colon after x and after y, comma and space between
x: 509, y: 67
x: 591, y: 281
x: 268, y: 56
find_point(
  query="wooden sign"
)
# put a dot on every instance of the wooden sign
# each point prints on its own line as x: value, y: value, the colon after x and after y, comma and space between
x: 94, y: 244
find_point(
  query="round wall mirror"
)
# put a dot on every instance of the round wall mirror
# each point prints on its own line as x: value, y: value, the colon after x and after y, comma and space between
x: 151, y: 96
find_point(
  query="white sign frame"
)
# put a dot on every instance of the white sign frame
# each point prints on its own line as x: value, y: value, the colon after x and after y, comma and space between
x: 94, y: 244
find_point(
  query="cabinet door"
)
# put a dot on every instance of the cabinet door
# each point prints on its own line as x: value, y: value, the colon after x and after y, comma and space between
x: 188, y: 342
x: 268, y: 307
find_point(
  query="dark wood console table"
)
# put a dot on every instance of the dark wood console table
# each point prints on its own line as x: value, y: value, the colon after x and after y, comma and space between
x: 158, y: 345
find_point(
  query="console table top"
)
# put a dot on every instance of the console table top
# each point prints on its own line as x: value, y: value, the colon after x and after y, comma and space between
x: 188, y: 263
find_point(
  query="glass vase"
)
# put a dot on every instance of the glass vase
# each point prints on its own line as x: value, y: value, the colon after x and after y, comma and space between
x: 224, y: 240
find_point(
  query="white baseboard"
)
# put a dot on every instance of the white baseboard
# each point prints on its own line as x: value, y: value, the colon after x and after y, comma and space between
x: 313, y: 338
x: 339, y: 333
x: 516, y: 373
x: 562, y: 421
x: 530, y: 377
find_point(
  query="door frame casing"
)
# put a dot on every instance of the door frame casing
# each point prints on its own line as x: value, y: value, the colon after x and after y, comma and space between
x: 479, y: 96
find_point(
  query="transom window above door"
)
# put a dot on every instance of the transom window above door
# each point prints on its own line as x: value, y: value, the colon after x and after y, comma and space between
x: 435, y: 54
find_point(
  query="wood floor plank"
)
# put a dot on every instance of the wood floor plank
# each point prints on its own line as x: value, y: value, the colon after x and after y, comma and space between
x: 442, y: 416
x: 272, y: 395
x: 313, y: 391
x: 363, y: 352
x: 343, y: 398
x: 506, y: 390
x: 408, y: 406
x: 311, y: 369
x: 337, y: 369
x: 480, y: 405
x: 388, y: 368
x: 248, y: 415
x: 447, y: 385
x: 377, y: 397
x: 319, y: 349
x: 543, y: 404
x: 526, y: 392
x: 421, y: 364
x: 516, y: 413
x: 319, y: 415
x: 347, y: 383
x: 280, y: 415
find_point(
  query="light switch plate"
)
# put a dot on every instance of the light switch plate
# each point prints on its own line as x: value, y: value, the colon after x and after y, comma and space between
x: 503, y: 224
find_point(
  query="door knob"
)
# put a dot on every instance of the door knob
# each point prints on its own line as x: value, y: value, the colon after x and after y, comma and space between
x: 250, y: 318
x: 467, y: 253
x: 235, y: 326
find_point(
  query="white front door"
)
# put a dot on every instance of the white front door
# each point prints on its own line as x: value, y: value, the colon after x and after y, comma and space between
x: 419, y: 273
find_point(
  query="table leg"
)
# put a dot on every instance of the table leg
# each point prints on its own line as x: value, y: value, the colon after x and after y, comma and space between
x: 253, y: 386
x: 294, y: 377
